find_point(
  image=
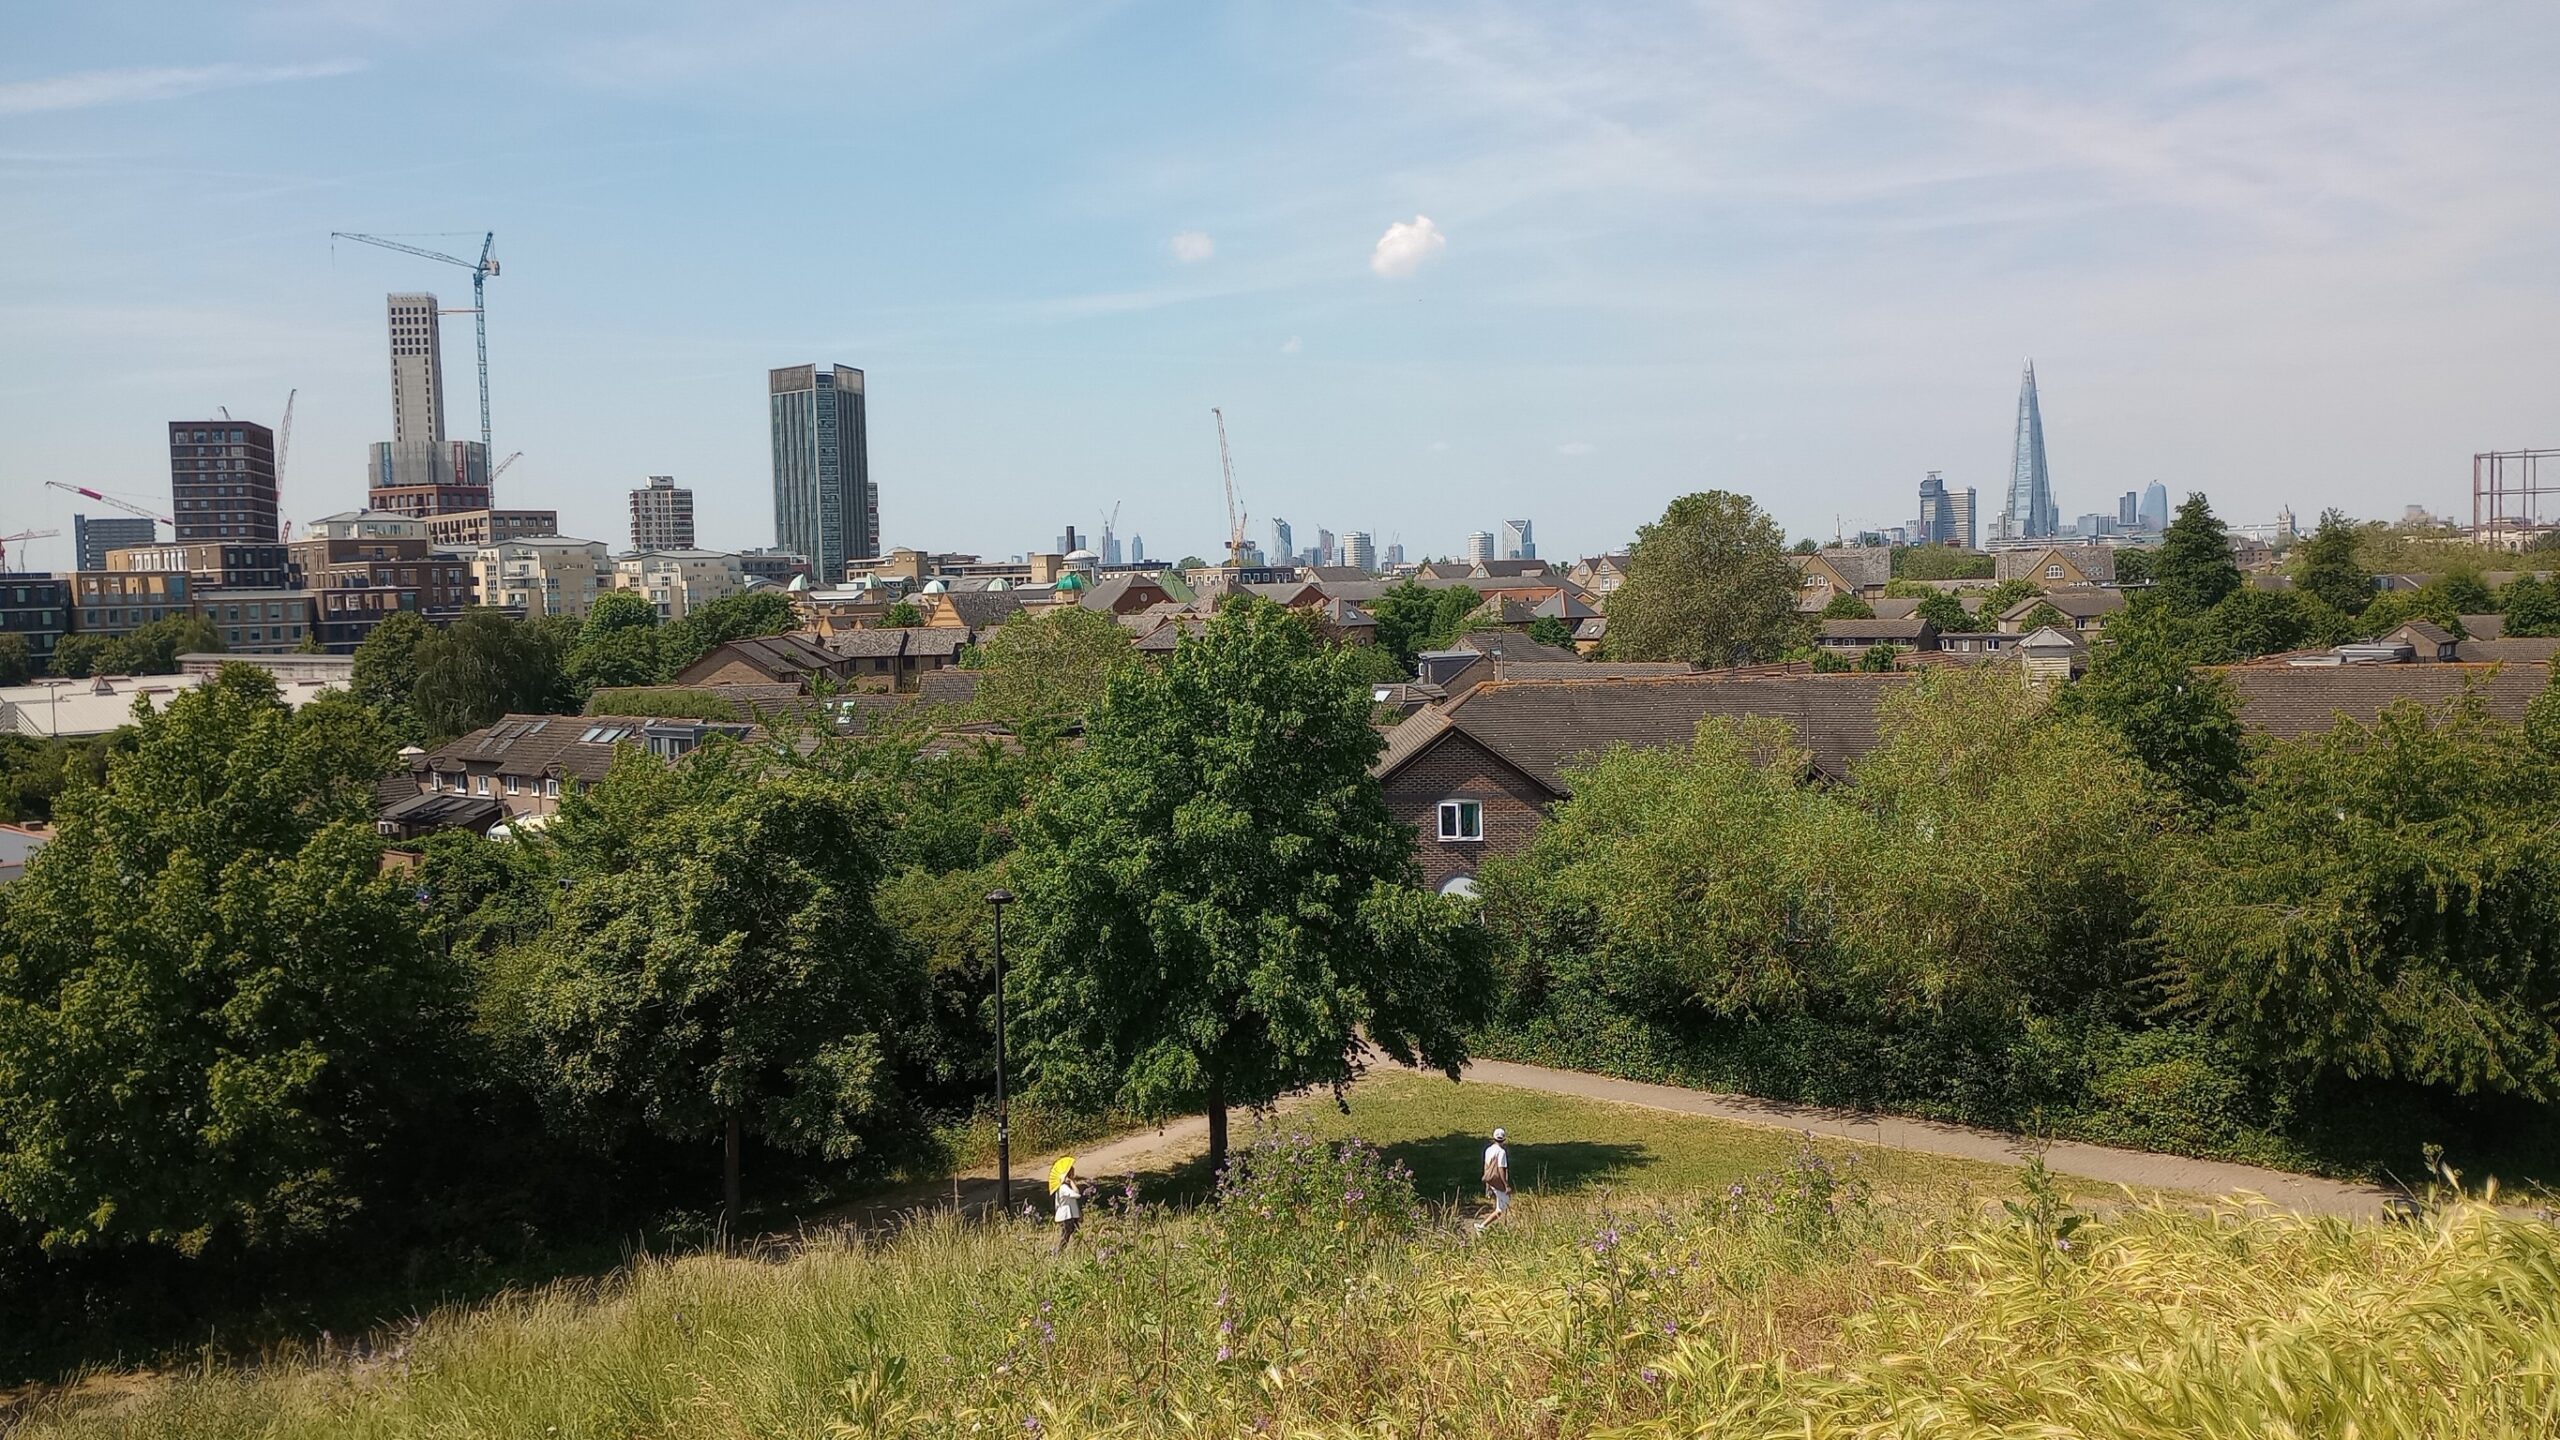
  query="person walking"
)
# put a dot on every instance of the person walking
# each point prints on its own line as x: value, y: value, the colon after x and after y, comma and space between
x: 1066, y: 1191
x: 1497, y: 1178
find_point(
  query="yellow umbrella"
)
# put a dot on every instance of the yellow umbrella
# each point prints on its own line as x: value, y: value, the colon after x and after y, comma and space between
x: 1058, y: 1172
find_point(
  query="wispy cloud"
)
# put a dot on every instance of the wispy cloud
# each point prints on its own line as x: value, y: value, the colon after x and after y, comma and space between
x: 1290, y: 346
x: 87, y: 89
x: 1193, y: 246
x: 1575, y: 447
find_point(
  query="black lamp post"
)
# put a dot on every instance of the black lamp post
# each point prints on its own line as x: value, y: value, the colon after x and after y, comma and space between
x: 996, y: 901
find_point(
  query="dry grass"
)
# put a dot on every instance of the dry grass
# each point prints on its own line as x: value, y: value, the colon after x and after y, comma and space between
x: 1675, y: 1317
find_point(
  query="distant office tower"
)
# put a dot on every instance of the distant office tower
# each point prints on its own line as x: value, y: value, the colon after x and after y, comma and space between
x: 1962, y: 506
x: 2094, y: 523
x: 824, y: 504
x: 1110, y: 547
x: 661, y: 516
x: 92, y: 539
x: 1325, y: 553
x: 1480, y: 547
x: 1937, y: 522
x: 417, y: 371
x: 1069, y: 542
x: 2129, y: 511
x: 222, y: 480
x: 1395, y: 555
x: 1283, y: 544
x: 1360, y: 550
x: 1516, y: 541
x: 2155, y: 507
x: 2031, y: 513
x: 1137, y: 549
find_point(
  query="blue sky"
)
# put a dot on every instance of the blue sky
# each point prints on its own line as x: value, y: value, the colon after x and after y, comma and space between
x: 2282, y: 253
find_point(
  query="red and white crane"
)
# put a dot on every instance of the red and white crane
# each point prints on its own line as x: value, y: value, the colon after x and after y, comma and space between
x: 126, y: 506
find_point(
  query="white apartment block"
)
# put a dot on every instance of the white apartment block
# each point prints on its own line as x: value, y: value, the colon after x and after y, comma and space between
x: 677, y: 581
x: 545, y: 574
x: 661, y: 516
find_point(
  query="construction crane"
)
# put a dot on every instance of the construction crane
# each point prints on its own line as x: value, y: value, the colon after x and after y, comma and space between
x: 8, y: 540
x: 284, y: 442
x: 502, y: 467
x: 126, y: 506
x: 481, y: 270
x: 1236, y: 519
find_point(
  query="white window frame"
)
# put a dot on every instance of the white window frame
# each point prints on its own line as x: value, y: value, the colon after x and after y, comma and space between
x: 480, y: 784
x: 551, y: 787
x: 1453, y: 815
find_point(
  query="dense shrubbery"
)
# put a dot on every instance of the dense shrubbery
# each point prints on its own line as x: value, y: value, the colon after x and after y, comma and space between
x: 2308, y: 954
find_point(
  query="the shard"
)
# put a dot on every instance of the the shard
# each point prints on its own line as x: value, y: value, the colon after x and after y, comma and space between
x: 2031, y: 514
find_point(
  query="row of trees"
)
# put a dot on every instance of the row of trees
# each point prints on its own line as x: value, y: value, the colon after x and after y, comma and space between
x: 2109, y: 913
x: 432, y: 683
x: 227, y: 1029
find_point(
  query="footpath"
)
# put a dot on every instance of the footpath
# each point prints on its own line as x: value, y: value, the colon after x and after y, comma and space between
x: 1182, y: 1140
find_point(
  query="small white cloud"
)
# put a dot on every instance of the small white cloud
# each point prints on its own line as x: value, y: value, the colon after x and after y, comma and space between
x: 1405, y: 246
x: 1290, y: 346
x: 1439, y: 445
x: 1575, y: 447
x: 123, y: 87
x: 1193, y: 246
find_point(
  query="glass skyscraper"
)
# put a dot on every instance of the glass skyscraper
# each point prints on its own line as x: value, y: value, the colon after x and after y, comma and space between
x: 824, y: 504
x: 2155, y: 506
x: 2031, y: 514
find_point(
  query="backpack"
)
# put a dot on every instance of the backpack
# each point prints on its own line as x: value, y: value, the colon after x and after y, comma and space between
x: 1493, y: 1172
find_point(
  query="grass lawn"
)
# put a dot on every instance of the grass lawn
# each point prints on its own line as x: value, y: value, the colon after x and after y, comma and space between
x: 1562, y: 1144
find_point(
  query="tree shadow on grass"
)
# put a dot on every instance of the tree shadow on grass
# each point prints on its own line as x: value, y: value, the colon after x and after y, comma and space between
x: 1445, y: 1167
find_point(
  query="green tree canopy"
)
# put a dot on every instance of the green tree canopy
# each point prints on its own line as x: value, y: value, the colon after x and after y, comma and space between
x: 2387, y: 904
x: 2193, y: 568
x: 386, y: 673
x: 902, y: 616
x: 14, y: 659
x: 481, y: 667
x: 1216, y: 906
x: 617, y: 610
x: 2394, y: 608
x: 2328, y: 568
x: 1413, y: 617
x: 731, y: 617
x: 2531, y: 606
x: 2182, y: 722
x: 76, y: 656
x: 1947, y: 613
x: 717, y: 969
x: 1709, y: 583
x: 2134, y: 565
x: 2045, y: 613
x: 1044, y: 672
x: 216, y: 1016
x: 1940, y: 562
x: 1550, y: 630
x: 1845, y: 606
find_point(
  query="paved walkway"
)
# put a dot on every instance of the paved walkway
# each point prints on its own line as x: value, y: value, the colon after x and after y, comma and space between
x: 2141, y: 1169
x: 1181, y: 1140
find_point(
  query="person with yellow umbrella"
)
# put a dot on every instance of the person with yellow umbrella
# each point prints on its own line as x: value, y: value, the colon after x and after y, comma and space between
x: 1066, y: 1191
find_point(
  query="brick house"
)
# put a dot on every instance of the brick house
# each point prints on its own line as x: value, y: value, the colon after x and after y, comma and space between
x: 1475, y: 776
x: 523, y: 762
x: 892, y: 659
x: 2086, y: 609
x: 1856, y: 637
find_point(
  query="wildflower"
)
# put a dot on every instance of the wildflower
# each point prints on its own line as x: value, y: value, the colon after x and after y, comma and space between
x: 2062, y: 1245
x: 1225, y: 1354
x: 1031, y: 1424
x: 1649, y: 1375
x: 1670, y: 1329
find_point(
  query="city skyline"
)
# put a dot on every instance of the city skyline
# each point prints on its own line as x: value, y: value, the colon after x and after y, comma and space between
x: 2280, y: 241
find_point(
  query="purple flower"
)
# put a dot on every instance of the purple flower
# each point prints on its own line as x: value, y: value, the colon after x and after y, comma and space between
x: 1031, y: 1424
x: 1670, y: 1329
x: 1649, y: 1375
x: 1225, y: 1354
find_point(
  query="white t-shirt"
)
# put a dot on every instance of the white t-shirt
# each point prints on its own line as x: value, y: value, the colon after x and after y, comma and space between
x: 1070, y: 1203
x: 1497, y: 1157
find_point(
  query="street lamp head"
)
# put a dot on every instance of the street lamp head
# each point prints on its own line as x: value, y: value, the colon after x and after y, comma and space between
x: 999, y: 897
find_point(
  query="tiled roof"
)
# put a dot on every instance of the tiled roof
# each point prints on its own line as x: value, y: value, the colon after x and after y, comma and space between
x: 444, y: 810
x: 1868, y: 567
x: 2290, y: 700
x: 947, y: 687
x: 1110, y: 593
x: 2522, y: 649
x: 2427, y: 631
x: 1589, y: 669
x: 869, y: 644
x: 2078, y: 602
x: 1540, y: 726
x: 1565, y: 605
x: 1162, y: 639
x: 566, y: 745
x: 1911, y: 629
x: 1596, y: 628
x: 1894, y: 608
x: 784, y: 657
x: 1508, y: 645
x: 945, y: 641
x: 1508, y: 569
x: 2478, y: 627
x: 979, y: 609
x: 2028, y: 563
x: 1331, y: 575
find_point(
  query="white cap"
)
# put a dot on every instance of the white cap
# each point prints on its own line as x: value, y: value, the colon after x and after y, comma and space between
x: 1497, y: 1132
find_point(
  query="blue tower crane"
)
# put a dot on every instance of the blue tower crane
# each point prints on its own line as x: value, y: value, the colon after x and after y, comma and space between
x: 481, y: 270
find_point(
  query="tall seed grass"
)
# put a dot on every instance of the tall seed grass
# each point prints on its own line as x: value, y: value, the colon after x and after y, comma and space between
x: 1790, y: 1307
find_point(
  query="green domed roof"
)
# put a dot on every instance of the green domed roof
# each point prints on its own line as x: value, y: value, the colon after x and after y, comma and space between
x: 1071, y: 581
